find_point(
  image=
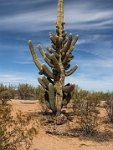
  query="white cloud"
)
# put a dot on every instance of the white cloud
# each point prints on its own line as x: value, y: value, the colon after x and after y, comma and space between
x: 79, y: 13
x: 77, y: 16
x: 82, y: 80
x: 103, y: 84
x: 16, y: 78
x: 100, y: 63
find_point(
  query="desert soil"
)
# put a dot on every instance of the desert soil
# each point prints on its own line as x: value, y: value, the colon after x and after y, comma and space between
x: 44, y: 141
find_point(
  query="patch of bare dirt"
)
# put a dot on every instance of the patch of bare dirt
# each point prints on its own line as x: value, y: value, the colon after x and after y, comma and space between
x: 45, y: 140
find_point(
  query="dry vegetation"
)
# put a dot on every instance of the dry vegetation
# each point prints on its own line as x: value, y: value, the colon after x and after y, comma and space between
x: 89, y: 117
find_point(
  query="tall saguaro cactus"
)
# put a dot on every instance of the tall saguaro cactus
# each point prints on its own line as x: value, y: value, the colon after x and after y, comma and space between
x: 58, y: 58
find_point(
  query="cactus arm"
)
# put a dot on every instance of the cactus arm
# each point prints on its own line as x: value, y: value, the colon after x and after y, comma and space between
x: 59, y: 96
x: 69, y: 88
x: 64, y: 35
x: 46, y: 81
x: 75, y: 40
x: 56, y: 55
x: 47, y: 99
x: 46, y: 71
x: 70, y: 49
x: 47, y: 60
x: 67, y: 45
x: 35, y: 58
x: 73, y: 44
x: 55, y: 62
x: 51, y: 93
x: 50, y: 50
x: 53, y: 38
x: 41, y: 50
x: 42, y: 83
x: 68, y: 73
x: 48, y: 56
x: 58, y: 41
x: 54, y: 46
x: 66, y: 99
x: 70, y: 58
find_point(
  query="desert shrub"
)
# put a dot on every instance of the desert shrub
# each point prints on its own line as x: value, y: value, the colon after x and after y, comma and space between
x: 5, y: 96
x: 78, y: 97
x: 7, y: 90
x: 3, y: 87
x: 86, y: 108
x: 12, y: 90
x: 40, y: 95
x: 15, y: 134
x: 26, y: 91
x: 109, y: 109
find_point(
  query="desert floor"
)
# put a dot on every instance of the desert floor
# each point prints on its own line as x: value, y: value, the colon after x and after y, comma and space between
x: 44, y: 141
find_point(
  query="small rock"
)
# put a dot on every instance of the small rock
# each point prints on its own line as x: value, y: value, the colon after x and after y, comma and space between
x: 61, y: 119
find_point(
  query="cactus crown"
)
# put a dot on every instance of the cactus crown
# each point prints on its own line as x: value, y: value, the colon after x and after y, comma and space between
x: 60, y: 17
x: 58, y: 57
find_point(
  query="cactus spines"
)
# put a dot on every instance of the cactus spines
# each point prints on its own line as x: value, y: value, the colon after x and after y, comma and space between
x: 68, y: 73
x: 50, y: 50
x: 42, y: 83
x: 35, y: 58
x: 60, y: 18
x: 66, y: 99
x: 75, y: 40
x: 55, y: 62
x: 46, y: 71
x: 45, y: 56
x: 68, y: 44
x: 51, y: 92
x: 58, y: 57
x: 68, y: 88
x: 46, y: 81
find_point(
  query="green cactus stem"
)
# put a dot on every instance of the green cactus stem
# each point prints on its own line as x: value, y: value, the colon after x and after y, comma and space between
x: 66, y: 99
x: 46, y: 71
x: 35, y: 57
x: 51, y: 92
x: 57, y: 58
x: 68, y: 73
x: 42, y: 83
x: 68, y: 88
x: 46, y: 81
x: 50, y: 50
x: 55, y: 62
x: 75, y: 40
x: 45, y: 56
x: 68, y: 44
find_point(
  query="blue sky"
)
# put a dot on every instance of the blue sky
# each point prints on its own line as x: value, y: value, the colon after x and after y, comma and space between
x: 21, y: 20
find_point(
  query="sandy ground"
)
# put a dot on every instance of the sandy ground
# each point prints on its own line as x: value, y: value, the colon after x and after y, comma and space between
x: 43, y: 141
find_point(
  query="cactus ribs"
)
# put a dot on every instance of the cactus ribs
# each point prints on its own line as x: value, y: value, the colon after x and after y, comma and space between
x: 58, y: 58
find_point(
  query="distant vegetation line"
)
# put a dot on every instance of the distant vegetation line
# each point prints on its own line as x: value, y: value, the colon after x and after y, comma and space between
x: 27, y: 91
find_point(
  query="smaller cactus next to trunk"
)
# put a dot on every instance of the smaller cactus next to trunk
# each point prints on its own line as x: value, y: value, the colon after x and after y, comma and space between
x: 58, y: 58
